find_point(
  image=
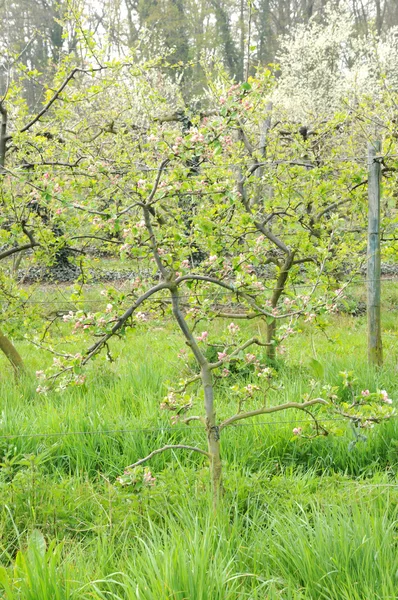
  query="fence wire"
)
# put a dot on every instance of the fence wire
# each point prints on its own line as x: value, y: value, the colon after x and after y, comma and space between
x: 148, y: 430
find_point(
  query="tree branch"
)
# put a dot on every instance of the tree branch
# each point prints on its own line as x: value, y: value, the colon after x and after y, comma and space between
x: 235, y: 290
x: 168, y: 447
x: 236, y: 352
x: 56, y: 95
x: 121, y: 320
x: 16, y: 249
x: 266, y: 410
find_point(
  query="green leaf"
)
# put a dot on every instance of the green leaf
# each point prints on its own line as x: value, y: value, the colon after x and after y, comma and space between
x: 317, y: 368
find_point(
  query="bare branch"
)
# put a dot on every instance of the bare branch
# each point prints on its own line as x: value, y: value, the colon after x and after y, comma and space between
x: 272, y: 237
x: 179, y: 317
x: 194, y: 418
x: 235, y: 290
x: 152, y: 239
x: 266, y: 410
x: 122, y: 320
x: 247, y: 316
x: 169, y: 447
x: 96, y: 237
x: 56, y: 95
x: 157, y: 180
x: 17, y: 249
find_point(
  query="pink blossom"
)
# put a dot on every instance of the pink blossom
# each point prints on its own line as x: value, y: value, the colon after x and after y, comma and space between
x: 213, y: 258
x: 222, y: 100
x: 297, y: 430
x: 46, y: 176
x: 148, y: 479
x: 41, y: 389
x: 384, y: 397
x: 365, y: 393
x: 185, y: 264
x: 140, y: 183
x: 233, y: 88
x: 40, y: 375
x: 108, y: 308
x: 58, y: 211
x: 232, y: 328
x: 197, y: 137
x: 222, y: 355
x: 250, y: 358
x: 140, y: 316
x: 248, y: 268
x: 250, y: 389
x: 310, y: 317
x: 202, y: 336
x: 225, y: 372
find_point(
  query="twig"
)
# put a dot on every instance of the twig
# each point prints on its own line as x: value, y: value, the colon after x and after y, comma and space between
x: 168, y: 447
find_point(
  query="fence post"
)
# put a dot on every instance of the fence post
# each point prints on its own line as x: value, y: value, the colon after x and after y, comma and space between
x: 375, y: 348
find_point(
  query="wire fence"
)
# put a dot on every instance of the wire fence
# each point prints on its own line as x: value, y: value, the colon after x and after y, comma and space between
x: 199, y: 295
x: 174, y: 429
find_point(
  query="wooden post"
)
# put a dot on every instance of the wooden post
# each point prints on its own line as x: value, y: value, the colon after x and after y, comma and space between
x: 375, y: 348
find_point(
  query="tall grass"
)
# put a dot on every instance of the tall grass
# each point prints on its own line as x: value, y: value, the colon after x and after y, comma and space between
x: 300, y: 519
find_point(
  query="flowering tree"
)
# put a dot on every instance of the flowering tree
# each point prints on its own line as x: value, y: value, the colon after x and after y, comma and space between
x: 325, y: 64
x: 222, y: 211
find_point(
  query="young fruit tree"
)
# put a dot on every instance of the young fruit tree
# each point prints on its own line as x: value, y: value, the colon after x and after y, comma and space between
x: 223, y: 212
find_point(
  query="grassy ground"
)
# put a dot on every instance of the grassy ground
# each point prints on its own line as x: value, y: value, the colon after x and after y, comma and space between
x: 299, y: 519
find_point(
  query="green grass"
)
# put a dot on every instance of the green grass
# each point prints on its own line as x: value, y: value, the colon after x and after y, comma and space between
x: 300, y: 519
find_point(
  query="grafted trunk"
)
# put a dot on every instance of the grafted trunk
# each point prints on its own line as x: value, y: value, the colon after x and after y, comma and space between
x: 213, y: 434
x: 12, y: 354
x: 213, y: 437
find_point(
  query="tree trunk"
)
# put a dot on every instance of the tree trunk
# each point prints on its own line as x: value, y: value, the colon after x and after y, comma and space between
x: 213, y: 437
x: 278, y: 290
x: 12, y: 354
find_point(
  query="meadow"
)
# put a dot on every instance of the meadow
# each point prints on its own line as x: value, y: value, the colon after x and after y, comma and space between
x: 300, y: 519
